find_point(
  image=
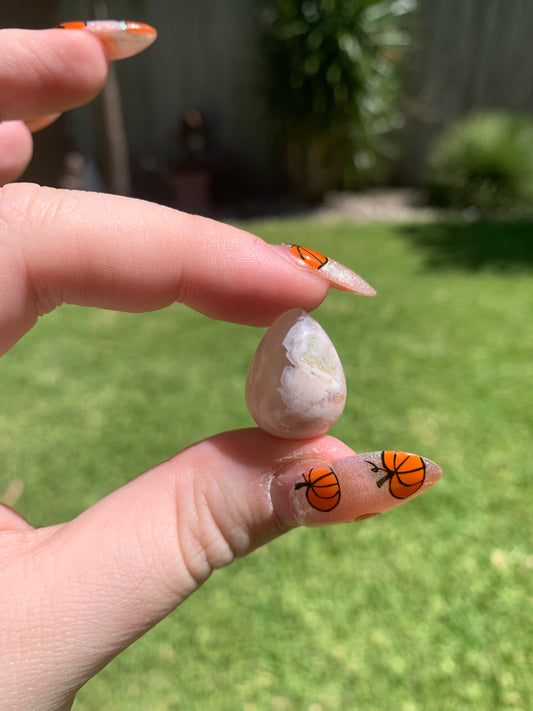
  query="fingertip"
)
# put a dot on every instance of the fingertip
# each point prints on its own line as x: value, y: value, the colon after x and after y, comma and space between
x: 11, y: 520
x: 80, y: 60
x: 48, y: 71
x: 16, y: 150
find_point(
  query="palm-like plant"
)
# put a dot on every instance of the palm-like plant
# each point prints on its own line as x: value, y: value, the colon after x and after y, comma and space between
x: 333, y: 85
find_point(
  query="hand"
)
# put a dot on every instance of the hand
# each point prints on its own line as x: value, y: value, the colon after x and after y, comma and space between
x: 74, y: 595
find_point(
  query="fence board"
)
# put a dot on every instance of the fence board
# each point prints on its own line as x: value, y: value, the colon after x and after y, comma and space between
x: 205, y: 58
x: 470, y: 54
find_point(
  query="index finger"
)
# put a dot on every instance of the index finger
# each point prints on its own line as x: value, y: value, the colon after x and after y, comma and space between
x: 48, y: 71
x: 62, y: 246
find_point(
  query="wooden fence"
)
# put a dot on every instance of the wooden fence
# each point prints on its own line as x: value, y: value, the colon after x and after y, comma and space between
x: 469, y: 54
x: 206, y: 59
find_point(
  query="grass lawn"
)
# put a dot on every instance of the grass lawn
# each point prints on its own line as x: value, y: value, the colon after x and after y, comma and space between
x: 426, y: 608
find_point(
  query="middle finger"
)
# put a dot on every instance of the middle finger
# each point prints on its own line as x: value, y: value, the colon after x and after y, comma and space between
x: 48, y: 71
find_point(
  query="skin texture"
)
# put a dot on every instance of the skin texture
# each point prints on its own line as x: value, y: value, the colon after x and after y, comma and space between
x: 75, y: 594
x: 42, y: 73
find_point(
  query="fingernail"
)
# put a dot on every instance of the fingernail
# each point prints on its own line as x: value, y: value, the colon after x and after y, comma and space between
x: 120, y: 38
x: 40, y: 122
x: 339, y: 276
x: 317, y: 493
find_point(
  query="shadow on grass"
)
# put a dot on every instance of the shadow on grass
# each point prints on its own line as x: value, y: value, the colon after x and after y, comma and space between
x: 497, y: 246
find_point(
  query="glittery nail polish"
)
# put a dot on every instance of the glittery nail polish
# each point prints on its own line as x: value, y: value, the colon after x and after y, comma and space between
x: 120, y: 38
x: 338, y: 276
x: 316, y: 493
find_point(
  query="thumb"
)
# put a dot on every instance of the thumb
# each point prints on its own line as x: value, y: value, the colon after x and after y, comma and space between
x: 121, y: 566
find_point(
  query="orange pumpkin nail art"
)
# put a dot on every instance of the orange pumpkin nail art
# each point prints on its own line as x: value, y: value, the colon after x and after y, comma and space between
x: 345, y: 490
x: 404, y: 472
x: 73, y: 25
x: 365, y: 516
x: 338, y: 276
x: 310, y: 256
x: 323, y: 490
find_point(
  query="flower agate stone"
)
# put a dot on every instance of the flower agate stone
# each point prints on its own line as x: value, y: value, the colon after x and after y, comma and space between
x: 296, y: 386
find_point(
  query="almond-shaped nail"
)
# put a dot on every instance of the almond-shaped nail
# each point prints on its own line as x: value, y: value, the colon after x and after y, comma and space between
x: 120, y: 38
x: 338, y: 276
x: 317, y: 493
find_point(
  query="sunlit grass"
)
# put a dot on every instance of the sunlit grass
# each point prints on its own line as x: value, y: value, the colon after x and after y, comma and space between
x: 428, y: 607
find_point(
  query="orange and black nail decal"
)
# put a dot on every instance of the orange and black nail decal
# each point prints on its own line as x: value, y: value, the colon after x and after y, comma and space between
x: 404, y: 472
x: 313, y: 259
x: 72, y: 25
x: 365, y: 516
x: 323, y: 489
x: 121, y: 38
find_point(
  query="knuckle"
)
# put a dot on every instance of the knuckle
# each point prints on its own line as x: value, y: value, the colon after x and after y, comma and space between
x: 26, y: 211
x: 23, y: 206
x: 210, y: 526
x: 202, y: 539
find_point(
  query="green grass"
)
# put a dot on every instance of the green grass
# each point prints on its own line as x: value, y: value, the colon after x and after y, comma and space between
x: 428, y: 607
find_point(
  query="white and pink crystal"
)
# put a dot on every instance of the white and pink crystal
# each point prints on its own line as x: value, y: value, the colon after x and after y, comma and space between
x: 296, y: 386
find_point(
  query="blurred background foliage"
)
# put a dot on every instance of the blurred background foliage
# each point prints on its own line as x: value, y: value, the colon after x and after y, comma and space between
x: 333, y: 84
x: 253, y: 101
x: 485, y: 163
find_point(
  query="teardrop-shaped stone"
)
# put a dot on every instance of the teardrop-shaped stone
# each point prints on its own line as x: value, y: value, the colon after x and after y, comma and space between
x: 296, y: 386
